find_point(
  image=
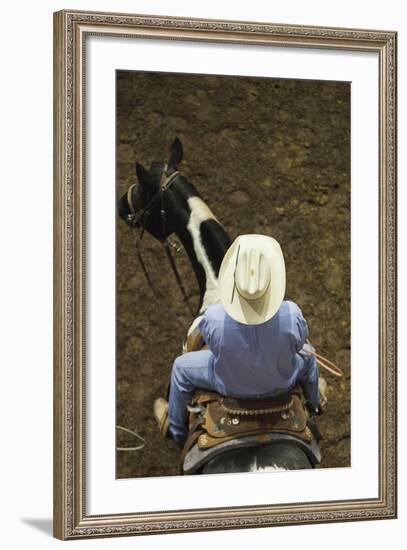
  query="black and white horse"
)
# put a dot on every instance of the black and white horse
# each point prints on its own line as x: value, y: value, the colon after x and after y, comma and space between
x: 165, y: 202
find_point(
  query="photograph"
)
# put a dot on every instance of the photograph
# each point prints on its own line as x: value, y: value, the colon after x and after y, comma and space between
x: 232, y: 274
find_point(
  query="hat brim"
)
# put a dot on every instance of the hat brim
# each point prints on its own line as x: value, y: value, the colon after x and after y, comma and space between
x: 253, y: 312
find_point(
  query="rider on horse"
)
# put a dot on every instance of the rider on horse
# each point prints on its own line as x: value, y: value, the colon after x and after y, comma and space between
x: 256, y: 340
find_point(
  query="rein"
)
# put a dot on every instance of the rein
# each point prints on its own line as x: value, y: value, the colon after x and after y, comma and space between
x: 140, y: 218
x: 324, y: 362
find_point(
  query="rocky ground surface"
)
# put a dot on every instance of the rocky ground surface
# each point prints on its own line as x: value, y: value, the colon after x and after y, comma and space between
x: 269, y: 156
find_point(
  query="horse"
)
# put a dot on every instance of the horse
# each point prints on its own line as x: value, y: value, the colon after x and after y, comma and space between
x: 164, y: 202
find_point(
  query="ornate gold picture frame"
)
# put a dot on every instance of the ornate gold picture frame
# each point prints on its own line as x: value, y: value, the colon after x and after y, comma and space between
x: 72, y: 518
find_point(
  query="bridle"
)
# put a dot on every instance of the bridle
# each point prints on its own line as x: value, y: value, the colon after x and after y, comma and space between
x: 138, y: 220
x: 165, y: 183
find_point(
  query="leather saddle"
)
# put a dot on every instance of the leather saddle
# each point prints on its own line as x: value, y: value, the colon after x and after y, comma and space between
x: 216, y: 422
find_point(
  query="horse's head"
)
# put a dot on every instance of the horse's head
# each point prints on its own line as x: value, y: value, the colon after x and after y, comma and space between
x: 142, y: 204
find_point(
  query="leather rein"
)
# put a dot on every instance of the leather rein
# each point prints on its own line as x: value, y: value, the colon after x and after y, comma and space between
x: 139, y: 219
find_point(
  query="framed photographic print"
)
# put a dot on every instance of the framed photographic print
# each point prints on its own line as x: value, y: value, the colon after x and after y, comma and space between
x: 225, y: 274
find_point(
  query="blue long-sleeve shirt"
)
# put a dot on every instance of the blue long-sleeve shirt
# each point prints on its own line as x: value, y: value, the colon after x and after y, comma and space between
x: 253, y: 360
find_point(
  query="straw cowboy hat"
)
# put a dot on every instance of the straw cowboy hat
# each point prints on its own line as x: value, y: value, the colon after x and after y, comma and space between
x: 252, y: 279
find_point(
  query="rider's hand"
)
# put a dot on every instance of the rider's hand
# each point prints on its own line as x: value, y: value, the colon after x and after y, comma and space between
x: 308, y: 348
x: 194, y: 341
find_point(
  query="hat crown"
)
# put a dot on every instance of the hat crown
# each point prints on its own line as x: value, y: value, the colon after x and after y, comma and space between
x: 252, y: 279
x: 252, y: 275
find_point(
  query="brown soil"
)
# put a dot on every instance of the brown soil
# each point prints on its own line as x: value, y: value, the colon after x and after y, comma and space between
x: 269, y: 156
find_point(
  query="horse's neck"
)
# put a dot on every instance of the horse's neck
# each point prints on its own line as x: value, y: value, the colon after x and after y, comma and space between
x: 206, y: 242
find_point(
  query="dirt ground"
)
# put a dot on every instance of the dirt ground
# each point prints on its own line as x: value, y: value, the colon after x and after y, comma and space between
x: 269, y: 156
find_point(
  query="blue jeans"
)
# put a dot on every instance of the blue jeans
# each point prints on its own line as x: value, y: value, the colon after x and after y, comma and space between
x: 195, y: 370
x: 190, y: 371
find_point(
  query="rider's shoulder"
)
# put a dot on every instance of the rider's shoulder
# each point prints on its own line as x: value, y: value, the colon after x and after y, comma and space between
x: 289, y: 308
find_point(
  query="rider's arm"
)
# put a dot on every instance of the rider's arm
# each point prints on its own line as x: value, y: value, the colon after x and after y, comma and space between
x: 300, y: 330
x: 201, y: 331
x: 213, y: 318
x: 308, y: 374
x: 308, y: 378
x: 204, y: 327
